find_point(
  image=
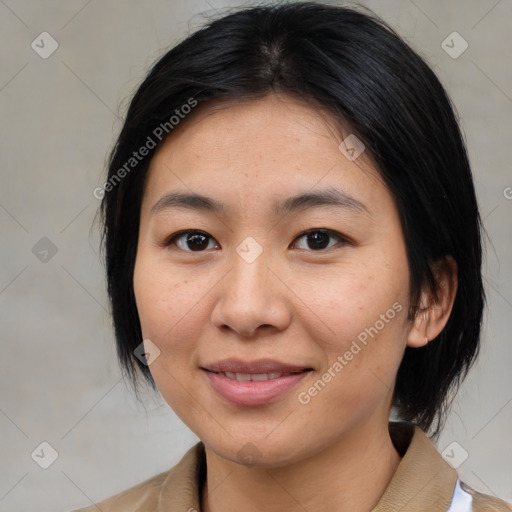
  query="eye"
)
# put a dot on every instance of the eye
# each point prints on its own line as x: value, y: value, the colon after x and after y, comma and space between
x: 199, y: 241
x: 318, y: 239
x: 191, y: 241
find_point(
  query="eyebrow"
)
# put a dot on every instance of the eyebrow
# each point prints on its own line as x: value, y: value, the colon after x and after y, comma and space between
x: 302, y: 201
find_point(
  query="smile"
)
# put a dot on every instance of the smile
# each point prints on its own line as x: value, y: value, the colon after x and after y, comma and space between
x: 252, y: 389
x: 244, y: 377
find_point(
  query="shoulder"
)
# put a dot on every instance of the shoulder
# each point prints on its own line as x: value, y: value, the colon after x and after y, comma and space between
x: 175, y: 489
x: 425, y: 481
x: 143, y: 496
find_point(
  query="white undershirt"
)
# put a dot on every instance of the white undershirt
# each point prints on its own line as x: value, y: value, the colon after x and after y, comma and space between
x: 461, y: 500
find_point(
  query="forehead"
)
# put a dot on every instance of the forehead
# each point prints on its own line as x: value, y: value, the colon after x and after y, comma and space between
x: 256, y: 149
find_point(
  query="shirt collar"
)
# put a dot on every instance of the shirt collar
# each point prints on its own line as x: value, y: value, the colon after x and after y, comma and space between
x: 422, y: 482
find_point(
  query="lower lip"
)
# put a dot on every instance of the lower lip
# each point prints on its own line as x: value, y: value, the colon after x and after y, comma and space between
x: 253, y: 392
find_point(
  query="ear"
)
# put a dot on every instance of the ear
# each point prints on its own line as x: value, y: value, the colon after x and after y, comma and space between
x: 435, y: 308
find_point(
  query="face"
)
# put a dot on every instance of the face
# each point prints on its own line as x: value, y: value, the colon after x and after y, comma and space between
x: 280, y: 322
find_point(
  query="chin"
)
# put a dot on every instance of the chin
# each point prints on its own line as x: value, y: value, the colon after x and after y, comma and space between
x: 257, y: 453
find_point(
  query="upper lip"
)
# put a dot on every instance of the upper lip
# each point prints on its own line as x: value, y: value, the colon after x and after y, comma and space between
x: 253, y: 367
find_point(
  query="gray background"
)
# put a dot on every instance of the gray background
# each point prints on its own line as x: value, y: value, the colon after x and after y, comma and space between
x: 59, y: 377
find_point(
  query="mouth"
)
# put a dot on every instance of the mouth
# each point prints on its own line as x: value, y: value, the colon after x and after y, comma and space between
x: 244, y: 377
x: 256, y: 367
x: 253, y: 383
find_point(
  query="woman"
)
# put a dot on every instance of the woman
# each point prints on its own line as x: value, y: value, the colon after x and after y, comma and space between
x: 293, y: 248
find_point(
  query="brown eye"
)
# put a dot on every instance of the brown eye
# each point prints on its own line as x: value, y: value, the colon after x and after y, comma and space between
x: 319, y: 239
x: 191, y: 241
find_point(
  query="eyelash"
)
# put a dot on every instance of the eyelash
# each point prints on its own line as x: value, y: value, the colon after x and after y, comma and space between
x: 333, y: 234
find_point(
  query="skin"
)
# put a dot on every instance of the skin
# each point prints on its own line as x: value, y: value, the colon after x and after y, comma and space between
x: 293, y: 303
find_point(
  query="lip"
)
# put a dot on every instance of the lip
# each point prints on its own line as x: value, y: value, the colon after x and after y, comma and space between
x: 257, y: 366
x: 247, y: 393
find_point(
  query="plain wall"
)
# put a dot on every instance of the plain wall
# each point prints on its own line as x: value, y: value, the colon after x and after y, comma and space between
x: 59, y: 116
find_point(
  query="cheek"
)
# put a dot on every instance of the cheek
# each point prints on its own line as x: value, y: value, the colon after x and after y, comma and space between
x: 162, y: 297
x: 170, y: 303
x: 363, y: 309
x: 165, y: 303
x: 352, y: 298
x: 360, y: 366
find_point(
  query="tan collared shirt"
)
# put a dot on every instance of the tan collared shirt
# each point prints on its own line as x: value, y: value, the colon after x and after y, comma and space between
x: 423, y: 482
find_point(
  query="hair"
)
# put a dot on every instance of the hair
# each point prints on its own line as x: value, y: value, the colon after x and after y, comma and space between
x: 359, y: 70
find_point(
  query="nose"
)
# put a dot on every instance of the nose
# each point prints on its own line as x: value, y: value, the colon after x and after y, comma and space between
x: 252, y: 298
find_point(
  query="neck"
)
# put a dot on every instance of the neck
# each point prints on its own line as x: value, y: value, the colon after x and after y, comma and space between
x: 349, y: 475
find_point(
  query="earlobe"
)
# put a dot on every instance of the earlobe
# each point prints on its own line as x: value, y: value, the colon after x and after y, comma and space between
x: 419, y: 334
x: 435, y: 307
